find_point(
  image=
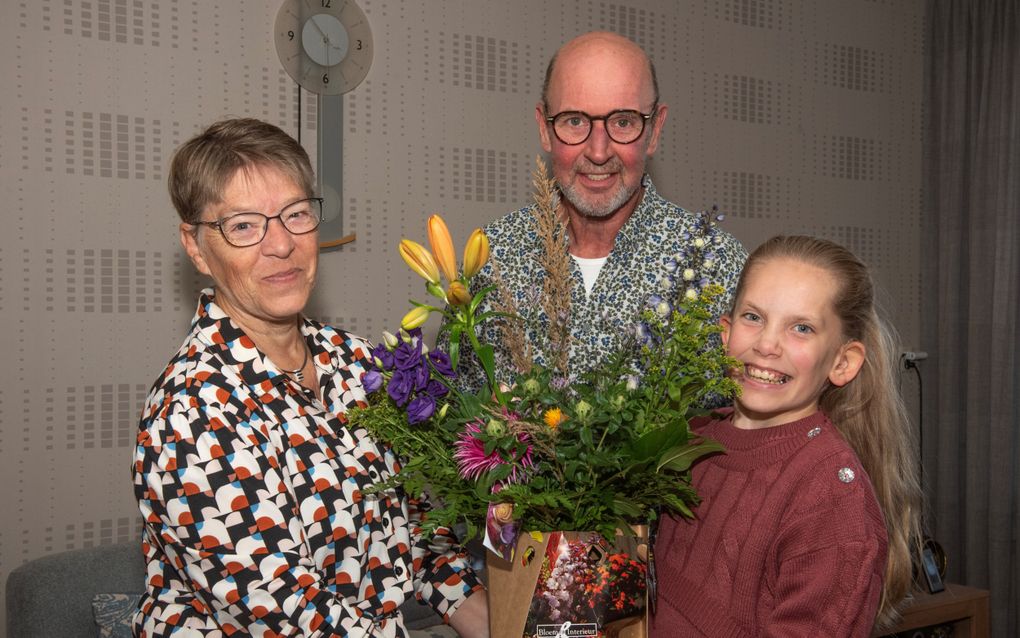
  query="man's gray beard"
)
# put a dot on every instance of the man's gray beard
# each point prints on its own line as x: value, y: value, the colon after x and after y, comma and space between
x: 594, y: 210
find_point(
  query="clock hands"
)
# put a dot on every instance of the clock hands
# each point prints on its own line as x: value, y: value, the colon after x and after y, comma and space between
x: 325, y: 38
x: 330, y: 56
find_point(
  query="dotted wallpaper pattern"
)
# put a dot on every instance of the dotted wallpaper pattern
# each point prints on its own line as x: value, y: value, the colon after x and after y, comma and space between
x: 791, y: 115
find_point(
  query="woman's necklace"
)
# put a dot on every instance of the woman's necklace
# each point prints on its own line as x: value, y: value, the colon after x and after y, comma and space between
x: 299, y: 374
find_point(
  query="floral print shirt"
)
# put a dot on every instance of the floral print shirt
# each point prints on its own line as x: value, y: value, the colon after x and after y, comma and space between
x: 646, y: 260
x: 251, y: 489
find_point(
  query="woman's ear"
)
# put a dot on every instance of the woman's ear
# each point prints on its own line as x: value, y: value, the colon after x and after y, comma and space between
x: 189, y: 240
x: 848, y: 363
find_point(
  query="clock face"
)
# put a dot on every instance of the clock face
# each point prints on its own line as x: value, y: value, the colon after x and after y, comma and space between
x: 325, y: 45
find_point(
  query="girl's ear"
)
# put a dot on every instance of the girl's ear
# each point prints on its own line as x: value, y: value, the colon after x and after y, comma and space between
x: 848, y: 363
x: 725, y: 322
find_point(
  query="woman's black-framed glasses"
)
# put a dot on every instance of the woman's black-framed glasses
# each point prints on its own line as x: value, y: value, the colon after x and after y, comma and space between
x: 247, y: 229
x: 622, y: 126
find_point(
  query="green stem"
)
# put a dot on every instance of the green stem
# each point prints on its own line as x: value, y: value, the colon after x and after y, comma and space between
x: 487, y: 365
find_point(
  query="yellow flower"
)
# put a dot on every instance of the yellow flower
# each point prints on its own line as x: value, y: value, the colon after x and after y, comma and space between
x: 442, y: 247
x: 420, y: 260
x: 415, y: 318
x: 476, y: 253
x: 503, y: 513
x: 457, y: 294
x: 553, y: 417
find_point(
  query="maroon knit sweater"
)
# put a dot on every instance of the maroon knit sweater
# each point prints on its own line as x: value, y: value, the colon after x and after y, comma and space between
x: 789, y: 539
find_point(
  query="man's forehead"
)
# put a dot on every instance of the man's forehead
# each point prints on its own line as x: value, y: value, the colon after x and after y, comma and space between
x: 602, y: 74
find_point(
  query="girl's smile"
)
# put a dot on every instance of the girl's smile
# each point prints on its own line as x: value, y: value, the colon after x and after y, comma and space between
x: 787, y: 334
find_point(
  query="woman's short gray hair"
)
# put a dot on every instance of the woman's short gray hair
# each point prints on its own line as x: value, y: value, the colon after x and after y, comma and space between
x: 202, y: 167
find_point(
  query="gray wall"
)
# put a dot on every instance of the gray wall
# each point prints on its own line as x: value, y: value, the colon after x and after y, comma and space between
x: 792, y: 115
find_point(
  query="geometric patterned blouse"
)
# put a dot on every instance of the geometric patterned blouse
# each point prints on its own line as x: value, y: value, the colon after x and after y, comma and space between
x: 648, y: 258
x: 251, y: 492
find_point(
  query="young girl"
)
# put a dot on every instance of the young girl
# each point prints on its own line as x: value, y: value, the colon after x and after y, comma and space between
x: 809, y: 521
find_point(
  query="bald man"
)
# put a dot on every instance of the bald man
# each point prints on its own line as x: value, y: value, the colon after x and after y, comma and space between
x: 600, y: 120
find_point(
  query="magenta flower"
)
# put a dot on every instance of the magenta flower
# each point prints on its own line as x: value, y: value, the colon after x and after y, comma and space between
x: 473, y: 461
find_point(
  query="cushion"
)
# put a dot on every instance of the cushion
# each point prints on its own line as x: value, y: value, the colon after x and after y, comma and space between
x: 113, y: 614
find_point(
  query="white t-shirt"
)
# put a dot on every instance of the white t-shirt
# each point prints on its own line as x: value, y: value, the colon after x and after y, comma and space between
x: 590, y: 269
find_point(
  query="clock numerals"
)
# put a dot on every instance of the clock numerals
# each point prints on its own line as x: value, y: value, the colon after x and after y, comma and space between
x: 326, y: 46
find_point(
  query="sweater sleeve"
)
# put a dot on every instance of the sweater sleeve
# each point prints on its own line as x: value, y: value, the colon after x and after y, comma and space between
x: 830, y: 559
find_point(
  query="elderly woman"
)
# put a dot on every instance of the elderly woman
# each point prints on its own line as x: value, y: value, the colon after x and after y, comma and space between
x: 247, y: 477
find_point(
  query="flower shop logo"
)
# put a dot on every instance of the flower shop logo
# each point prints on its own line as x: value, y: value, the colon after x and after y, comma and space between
x: 567, y: 630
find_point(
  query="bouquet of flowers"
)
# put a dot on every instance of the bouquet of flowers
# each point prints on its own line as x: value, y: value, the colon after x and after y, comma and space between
x: 598, y: 452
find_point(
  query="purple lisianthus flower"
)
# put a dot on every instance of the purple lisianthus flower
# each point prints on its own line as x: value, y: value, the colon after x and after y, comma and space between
x: 441, y: 362
x: 407, y: 355
x: 382, y: 356
x: 371, y: 380
x: 420, y: 408
x: 436, y: 389
x: 400, y: 386
x: 421, y: 376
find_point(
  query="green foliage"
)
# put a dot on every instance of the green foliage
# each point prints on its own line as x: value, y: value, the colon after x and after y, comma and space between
x: 595, y: 453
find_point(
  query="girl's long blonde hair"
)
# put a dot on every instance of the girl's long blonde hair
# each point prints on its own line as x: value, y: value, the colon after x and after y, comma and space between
x: 869, y: 410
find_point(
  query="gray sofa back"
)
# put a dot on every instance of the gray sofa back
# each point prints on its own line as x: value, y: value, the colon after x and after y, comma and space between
x: 52, y: 596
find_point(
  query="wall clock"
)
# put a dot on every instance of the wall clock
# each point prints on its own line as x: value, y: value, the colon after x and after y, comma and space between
x: 326, y: 47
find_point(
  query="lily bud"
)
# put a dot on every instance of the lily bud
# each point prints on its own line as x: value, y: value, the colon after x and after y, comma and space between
x: 415, y: 318
x: 419, y: 259
x: 390, y: 340
x: 442, y: 247
x: 457, y: 294
x: 435, y: 290
x: 476, y: 253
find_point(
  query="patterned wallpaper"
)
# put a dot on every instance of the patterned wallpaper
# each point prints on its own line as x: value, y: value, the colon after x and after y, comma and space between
x: 791, y: 115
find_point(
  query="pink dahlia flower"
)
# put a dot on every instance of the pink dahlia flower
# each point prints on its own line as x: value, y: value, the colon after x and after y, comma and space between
x: 473, y: 461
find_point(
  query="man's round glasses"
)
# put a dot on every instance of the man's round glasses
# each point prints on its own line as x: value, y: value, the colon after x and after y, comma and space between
x: 247, y: 229
x: 623, y: 126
